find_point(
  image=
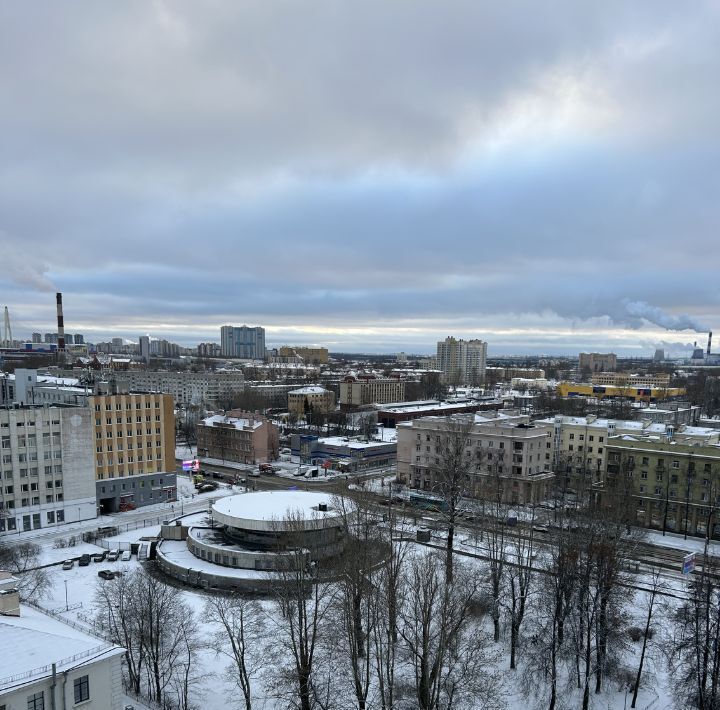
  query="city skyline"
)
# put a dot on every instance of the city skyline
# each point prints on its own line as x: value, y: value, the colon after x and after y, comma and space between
x: 371, y: 180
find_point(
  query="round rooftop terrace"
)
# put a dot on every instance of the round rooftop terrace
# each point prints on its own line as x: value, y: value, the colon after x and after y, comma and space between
x: 277, y: 511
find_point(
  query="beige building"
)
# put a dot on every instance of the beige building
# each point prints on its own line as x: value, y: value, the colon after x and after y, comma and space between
x: 310, y: 399
x: 134, y: 434
x: 579, y: 444
x: 362, y: 390
x: 622, y: 379
x: 598, y: 362
x: 501, y: 448
x: 238, y: 436
x: 313, y: 356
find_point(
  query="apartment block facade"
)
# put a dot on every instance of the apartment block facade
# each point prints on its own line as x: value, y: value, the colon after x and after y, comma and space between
x: 47, y: 477
x: 362, y: 390
x: 242, y: 437
x: 243, y: 342
x: 310, y: 399
x: 509, y: 452
x: 676, y: 484
x: 597, y: 362
x: 579, y: 444
x: 463, y: 362
x: 188, y: 388
x: 134, y: 438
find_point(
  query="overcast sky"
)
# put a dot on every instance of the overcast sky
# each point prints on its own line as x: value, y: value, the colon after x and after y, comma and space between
x: 369, y: 175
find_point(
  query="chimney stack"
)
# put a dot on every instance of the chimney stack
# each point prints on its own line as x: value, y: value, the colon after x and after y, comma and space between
x: 709, y: 342
x: 60, y: 323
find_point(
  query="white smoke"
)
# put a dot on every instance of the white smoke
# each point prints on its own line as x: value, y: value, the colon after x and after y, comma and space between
x: 22, y: 267
x: 637, y: 310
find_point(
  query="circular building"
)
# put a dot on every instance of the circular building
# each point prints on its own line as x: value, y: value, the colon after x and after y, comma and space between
x: 246, y: 540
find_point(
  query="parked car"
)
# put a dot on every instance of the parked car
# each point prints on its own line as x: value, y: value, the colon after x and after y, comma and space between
x: 84, y: 560
x: 98, y: 556
x: 68, y: 564
x: 106, y: 574
x: 125, y: 557
x: 112, y: 555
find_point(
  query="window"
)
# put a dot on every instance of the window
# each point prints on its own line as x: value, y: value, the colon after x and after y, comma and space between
x: 60, y: 516
x: 36, y: 701
x: 82, y: 689
x: 51, y: 516
x: 676, y: 464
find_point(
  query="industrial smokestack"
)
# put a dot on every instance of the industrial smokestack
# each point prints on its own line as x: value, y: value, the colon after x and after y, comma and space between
x: 709, y: 342
x: 60, y: 323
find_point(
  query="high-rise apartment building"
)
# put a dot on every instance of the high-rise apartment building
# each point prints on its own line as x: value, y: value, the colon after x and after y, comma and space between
x: 598, y: 362
x: 462, y: 362
x: 144, y: 342
x: 243, y: 342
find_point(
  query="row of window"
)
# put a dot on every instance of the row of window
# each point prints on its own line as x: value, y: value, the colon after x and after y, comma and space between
x: 30, y: 440
x: 81, y: 688
x: 35, y: 500
x: 47, y: 422
x: 109, y: 447
x: 33, y: 471
x: 128, y: 420
x: 119, y: 406
x: 120, y: 433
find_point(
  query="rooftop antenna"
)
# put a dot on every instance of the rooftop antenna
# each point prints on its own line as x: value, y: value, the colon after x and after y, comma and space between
x: 7, y: 330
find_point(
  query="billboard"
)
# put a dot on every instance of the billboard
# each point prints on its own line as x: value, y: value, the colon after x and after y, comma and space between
x: 688, y: 563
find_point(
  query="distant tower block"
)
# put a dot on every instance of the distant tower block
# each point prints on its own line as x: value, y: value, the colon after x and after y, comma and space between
x: 7, y: 340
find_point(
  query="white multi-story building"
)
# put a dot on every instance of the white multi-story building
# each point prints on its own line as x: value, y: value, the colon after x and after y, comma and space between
x: 462, y: 362
x: 47, y: 474
x: 188, y: 388
x: 49, y: 664
x: 498, y: 448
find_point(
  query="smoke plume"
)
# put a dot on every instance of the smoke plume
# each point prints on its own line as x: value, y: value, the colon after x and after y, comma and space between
x: 640, y: 310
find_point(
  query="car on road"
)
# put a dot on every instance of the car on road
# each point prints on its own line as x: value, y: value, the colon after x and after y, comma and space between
x: 98, y: 556
x: 106, y: 574
x: 68, y: 564
x: 112, y: 555
x: 125, y: 557
x: 84, y: 560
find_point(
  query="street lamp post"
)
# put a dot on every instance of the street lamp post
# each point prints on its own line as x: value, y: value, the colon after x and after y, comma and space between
x: 66, y: 597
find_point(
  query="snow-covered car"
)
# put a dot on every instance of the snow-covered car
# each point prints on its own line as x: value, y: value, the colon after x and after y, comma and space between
x: 125, y: 557
x: 68, y: 564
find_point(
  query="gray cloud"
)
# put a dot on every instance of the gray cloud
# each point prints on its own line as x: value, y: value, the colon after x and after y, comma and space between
x: 362, y: 166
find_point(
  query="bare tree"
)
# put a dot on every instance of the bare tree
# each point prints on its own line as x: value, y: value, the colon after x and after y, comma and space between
x: 302, y: 596
x: 694, y: 658
x: 520, y: 578
x: 447, y: 649
x: 240, y: 625
x: 656, y: 587
x: 451, y: 476
x: 157, y: 629
x: 389, y: 592
x: 23, y: 560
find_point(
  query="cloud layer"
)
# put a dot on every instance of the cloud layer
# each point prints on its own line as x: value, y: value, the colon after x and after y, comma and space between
x: 373, y: 175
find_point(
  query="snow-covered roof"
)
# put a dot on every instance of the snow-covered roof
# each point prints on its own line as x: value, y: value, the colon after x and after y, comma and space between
x: 38, y: 640
x: 238, y: 423
x: 310, y: 389
x: 266, y: 510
